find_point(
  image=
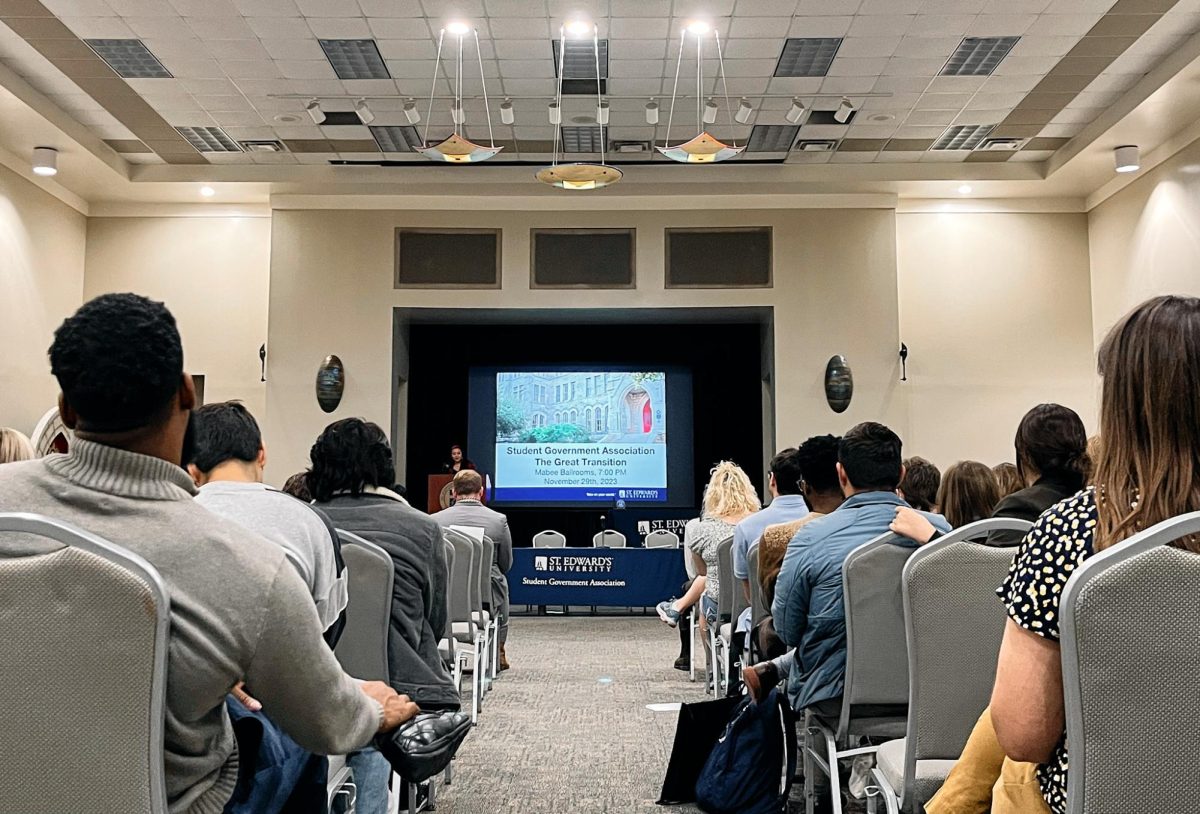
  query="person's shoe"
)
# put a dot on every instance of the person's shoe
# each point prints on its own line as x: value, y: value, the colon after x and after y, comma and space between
x: 683, y: 663
x: 760, y: 679
x: 504, y: 665
x: 666, y: 612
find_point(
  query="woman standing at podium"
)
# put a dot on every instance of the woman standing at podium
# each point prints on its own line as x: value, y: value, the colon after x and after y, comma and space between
x: 457, y: 462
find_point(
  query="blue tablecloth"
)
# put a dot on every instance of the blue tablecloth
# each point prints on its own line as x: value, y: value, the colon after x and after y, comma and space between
x: 621, y: 577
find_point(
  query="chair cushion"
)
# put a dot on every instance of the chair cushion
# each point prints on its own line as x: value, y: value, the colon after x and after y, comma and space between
x: 930, y: 774
x: 464, y: 631
x: 724, y: 631
x: 890, y: 760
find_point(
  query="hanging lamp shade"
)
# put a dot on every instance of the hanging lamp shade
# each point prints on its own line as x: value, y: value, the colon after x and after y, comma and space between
x: 580, y: 176
x: 703, y: 149
x: 458, y: 150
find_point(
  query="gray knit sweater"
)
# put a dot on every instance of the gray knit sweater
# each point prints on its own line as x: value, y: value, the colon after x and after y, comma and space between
x: 238, y: 612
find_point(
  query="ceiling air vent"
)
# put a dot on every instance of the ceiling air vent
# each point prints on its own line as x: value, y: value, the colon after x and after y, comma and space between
x: 772, y: 138
x: 1002, y: 144
x: 130, y: 59
x: 355, y: 59
x: 962, y: 137
x: 394, y: 138
x: 209, y: 139
x: 978, y: 56
x: 268, y: 146
x: 583, y: 139
x: 815, y: 145
x: 807, y: 56
x: 629, y: 147
x: 579, y: 66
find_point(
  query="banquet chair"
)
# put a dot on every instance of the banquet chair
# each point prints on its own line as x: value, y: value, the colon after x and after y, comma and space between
x: 84, y: 656
x: 720, y: 635
x: 608, y: 539
x: 662, y: 539
x: 758, y: 608
x: 1128, y: 620
x: 462, y: 622
x: 689, y: 568
x: 491, y: 615
x: 875, y: 696
x: 549, y: 539
x: 953, y: 625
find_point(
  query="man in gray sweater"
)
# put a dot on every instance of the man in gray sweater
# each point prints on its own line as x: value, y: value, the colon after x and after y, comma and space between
x: 239, y: 612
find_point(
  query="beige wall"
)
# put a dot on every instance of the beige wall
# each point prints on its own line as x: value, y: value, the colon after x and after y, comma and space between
x: 41, y: 283
x: 1145, y: 240
x: 996, y: 312
x: 331, y: 292
x: 212, y: 272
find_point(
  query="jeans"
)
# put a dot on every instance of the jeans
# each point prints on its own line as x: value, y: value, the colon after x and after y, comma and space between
x: 371, y: 774
x: 708, y: 607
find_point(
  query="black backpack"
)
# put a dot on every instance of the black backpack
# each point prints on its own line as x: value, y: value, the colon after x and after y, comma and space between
x: 750, y: 769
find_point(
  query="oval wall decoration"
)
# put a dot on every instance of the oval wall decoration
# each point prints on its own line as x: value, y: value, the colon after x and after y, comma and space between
x: 331, y: 383
x: 839, y: 384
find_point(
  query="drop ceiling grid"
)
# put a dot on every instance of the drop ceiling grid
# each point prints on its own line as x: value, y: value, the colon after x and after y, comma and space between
x: 233, y: 58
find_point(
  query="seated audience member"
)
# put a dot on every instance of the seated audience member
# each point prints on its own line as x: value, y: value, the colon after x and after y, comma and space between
x: 297, y: 486
x: 819, y: 484
x: 227, y: 462
x: 920, y: 485
x: 351, y: 473
x: 1008, y: 479
x: 808, y: 610
x: 787, y: 504
x: 1148, y: 472
x: 239, y: 612
x: 14, y: 446
x: 468, y: 510
x: 729, y: 498
x: 968, y: 493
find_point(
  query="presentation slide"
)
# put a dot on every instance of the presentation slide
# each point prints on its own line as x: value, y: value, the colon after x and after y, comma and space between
x: 581, y: 437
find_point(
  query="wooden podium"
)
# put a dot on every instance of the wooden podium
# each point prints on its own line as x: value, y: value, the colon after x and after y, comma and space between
x: 436, y: 484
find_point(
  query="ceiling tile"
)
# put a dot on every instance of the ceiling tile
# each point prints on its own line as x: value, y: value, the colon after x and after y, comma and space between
x: 847, y: 84
x: 329, y: 8
x: 267, y: 8
x: 521, y: 28
x: 820, y: 26
x: 99, y: 28
x: 1054, y: 25
x: 294, y: 49
x: 1000, y: 25
x: 160, y: 28
x: 533, y: 68
x: 280, y: 28
x: 78, y: 8
x: 237, y: 49
x: 308, y: 69
x: 206, y: 8
x: 940, y: 25
x: 868, y: 46
x: 339, y: 28
x: 402, y: 28
x: 883, y: 25
x: 640, y: 8
x: 636, y: 28
x: 927, y: 47
x: 943, y: 101
x: 757, y: 26
x: 858, y: 67
x: 902, y: 84
x: 648, y: 49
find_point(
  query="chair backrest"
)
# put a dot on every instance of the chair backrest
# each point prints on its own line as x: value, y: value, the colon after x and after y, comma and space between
x: 876, y: 655
x: 1128, y: 622
x: 485, y: 573
x: 449, y: 582
x: 83, y: 661
x: 608, y: 539
x: 726, y: 583
x: 370, y: 572
x: 460, y: 576
x: 549, y: 539
x: 953, y: 625
x: 662, y: 539
x: 757, y: 600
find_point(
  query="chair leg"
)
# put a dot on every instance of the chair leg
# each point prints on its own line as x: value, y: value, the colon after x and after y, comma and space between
x: 692, y: 644
x: 412, y: 798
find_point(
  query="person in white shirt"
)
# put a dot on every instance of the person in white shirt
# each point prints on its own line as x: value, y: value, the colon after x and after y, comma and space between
x: 227, y: 463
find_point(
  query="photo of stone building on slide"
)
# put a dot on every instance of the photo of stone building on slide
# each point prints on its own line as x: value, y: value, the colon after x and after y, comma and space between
x: 613, y: 407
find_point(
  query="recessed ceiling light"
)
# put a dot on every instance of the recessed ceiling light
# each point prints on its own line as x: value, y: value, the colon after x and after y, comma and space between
x: 1126, y: 158
x: 881, y: 117
x: 965, y: 189
x: 287, y: 118
x: 45, y: 161
x: 579, y: 28
x: 207, y: 191
x: 698, y: 27
x: 458, y: 28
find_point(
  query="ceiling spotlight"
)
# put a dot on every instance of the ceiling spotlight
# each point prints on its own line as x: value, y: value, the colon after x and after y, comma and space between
x: 207, y: 191
x: 652, y: 112
x: 965, y: 189
x: 602, y: 113
x: 795, y: 112
x: 457, y: 114
x: 506, y: 111
x: 555, y: 113
x: 743, y: 112
x: 411, y: 113
x: 45, y: 161
x: 314, y: 111
x: 710, y: 112
x: 458, y: 28
x: 842, y: 114
x: 698, y: 27
x: 580, y: 28
x: 1126, y: 158
x: 363, y: 112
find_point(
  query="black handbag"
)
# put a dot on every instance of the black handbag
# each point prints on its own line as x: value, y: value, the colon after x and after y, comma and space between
x: 424, y: 746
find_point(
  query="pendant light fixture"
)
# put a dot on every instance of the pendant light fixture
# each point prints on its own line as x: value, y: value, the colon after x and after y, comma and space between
x: 703, y: 148
x: 579, y: 175
x: 458, y: 149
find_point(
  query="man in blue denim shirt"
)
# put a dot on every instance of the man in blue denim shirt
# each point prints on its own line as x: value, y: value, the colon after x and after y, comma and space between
x: 809, y: 610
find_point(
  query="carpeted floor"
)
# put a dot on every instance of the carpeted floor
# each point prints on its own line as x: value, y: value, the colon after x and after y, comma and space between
x: 567, y: 728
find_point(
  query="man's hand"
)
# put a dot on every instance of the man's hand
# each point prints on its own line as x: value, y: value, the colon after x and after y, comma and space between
x: 244, y: 698
x: 396, y: 708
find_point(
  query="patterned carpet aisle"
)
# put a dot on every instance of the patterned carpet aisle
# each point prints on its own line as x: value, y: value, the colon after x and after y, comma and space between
x: 567, y: 729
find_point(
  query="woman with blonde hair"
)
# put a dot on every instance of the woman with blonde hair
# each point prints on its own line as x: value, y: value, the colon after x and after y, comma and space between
x: 1008, y: 479
x: 14, y: 446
